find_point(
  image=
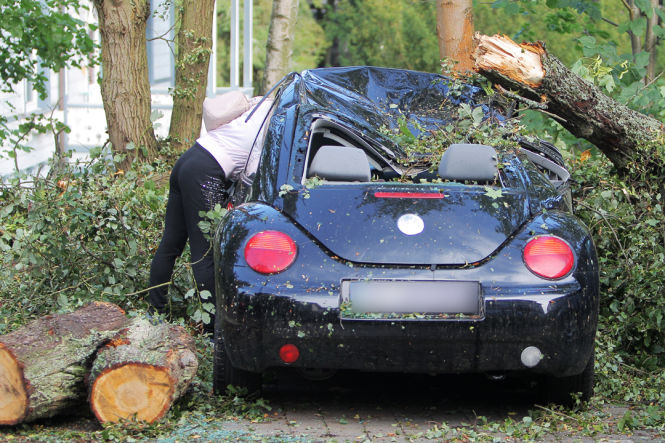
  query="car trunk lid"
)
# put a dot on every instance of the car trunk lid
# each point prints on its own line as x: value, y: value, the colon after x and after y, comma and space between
x: 407, y: 225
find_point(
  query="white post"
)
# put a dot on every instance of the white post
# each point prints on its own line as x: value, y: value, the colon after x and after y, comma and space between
x: 247, y: 56
x: 235, y: 42
x: 212, y: 66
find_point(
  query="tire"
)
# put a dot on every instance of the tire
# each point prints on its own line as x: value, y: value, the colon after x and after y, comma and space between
x: 225, y: 374
x: 566, y: 390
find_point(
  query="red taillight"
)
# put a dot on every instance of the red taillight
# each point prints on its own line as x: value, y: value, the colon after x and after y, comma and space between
x: 289, y: 353
x: 425, y: 195
x: 269, y: 252
x: 549, y: 257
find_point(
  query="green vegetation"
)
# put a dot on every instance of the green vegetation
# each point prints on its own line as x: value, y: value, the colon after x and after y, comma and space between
x: 36, y: 36
x: 88, y: 231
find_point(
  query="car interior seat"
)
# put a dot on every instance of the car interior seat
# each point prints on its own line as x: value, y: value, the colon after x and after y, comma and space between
x: 340, y: 163
x: 469, y: 162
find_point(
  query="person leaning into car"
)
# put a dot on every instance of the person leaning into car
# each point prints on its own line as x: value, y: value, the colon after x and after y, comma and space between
x: 200, y: 180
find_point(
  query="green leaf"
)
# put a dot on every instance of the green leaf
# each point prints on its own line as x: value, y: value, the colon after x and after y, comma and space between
x: 645, y: 7
x: 638, y: 26
x: 63, y: 301
x: 493, y: 193
x: 642, y: 59
x: 205, y: 294
x: 477, y: 114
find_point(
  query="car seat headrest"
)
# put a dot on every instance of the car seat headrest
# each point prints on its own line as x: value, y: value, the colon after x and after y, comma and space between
x: 466, y: 161
x: 340, y: 163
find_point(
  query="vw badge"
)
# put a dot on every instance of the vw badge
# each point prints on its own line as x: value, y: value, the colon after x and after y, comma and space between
x: 410, y: 224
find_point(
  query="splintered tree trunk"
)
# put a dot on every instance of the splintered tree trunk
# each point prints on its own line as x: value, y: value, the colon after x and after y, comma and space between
x: 141, y: 372
x: 193, y: 55
x: 530, y: 71
x: 454, y: 28
x: 124, y: 85
x: 43, y: 364
x: 280, y: 41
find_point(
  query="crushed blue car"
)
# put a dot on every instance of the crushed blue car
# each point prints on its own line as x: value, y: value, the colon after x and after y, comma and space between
x: 344, y: 251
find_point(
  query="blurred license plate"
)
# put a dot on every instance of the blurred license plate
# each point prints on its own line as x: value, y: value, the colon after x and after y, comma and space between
x: 408, y: 296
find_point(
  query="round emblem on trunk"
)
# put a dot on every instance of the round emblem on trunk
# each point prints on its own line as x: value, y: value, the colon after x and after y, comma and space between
x: 410, y: 224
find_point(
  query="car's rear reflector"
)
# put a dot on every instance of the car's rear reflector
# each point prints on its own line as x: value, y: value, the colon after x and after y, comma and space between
x: 408, y: 195
x: 549, y: 257
x: 269, y: 252
x: 289, y: 353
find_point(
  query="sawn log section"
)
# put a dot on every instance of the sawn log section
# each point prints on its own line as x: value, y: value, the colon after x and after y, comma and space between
x: 141, y: 372
x: 134, y: 369
x: 43, y: 364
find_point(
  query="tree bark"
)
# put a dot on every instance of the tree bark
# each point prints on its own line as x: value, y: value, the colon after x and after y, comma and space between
x: 43, y: 364
x: 141, y: 372
x: 125, y: 86
x: 280, y: 41
x: 194, y: 45
x: 454, y: 28
x: 579, y: 106
x: 633, y: 14
x: 651, y: 41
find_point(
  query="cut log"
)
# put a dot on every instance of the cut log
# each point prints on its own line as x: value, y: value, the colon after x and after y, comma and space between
x: 139, y: 374
x: 43, y: 364
x: 530, y: 71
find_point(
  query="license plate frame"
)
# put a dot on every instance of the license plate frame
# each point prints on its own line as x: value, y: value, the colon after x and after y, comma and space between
x: 411, y: 299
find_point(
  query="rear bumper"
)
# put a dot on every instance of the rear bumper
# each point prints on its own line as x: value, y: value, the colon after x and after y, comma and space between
x: 561, y: 324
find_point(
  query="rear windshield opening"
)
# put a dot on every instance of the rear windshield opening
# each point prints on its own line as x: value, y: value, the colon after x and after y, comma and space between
x: 338, y: 154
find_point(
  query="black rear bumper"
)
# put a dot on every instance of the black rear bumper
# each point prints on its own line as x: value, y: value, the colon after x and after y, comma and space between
x: 563, y: 328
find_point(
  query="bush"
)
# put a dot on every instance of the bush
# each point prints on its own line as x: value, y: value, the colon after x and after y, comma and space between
x: 87, y: 234
x: 625, y: 214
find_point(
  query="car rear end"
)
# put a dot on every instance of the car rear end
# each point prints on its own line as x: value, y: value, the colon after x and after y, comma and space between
x: 337, y: 284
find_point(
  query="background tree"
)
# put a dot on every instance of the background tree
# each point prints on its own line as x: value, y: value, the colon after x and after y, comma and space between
x: 280, y: 41
x: 124, y: 83
x: 454, y: 28
x: 399, y: 33
x: 193, y: 48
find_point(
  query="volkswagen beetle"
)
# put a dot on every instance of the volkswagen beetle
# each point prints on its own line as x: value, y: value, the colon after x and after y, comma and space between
x: 344, y: 249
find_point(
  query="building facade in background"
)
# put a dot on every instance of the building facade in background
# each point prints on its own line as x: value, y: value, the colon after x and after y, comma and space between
x: 75, y: 98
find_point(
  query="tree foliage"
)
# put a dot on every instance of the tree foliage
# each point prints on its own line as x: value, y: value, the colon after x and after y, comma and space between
x: 398, y: 34
x: 623, y: 209
x: 38, y: 35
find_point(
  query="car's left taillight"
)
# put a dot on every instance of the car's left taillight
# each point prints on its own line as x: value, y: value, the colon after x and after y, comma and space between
x: 270, y: 252
x: 549, y: 257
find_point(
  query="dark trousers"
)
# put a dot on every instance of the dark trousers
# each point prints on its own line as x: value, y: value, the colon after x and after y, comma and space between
x: 197, y: 183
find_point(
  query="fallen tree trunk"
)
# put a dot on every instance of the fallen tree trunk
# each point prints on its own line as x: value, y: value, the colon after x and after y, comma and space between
x: 141, y: 372
x: 530, y: 71
x: 43, y: 364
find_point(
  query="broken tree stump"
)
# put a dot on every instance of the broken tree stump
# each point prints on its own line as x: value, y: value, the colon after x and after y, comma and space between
x: 139, y: 374
x: 579, y: 106
x: 44, y: 363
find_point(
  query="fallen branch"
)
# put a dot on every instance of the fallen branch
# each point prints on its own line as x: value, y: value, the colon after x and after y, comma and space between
x: 528, y: 70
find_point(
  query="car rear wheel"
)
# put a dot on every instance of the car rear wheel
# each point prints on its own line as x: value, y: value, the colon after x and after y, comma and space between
x: 567, y: 390
x: 225, y: 374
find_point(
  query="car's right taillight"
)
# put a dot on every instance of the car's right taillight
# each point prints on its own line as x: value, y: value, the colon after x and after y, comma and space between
x: 549, y: 257
x: 269, y: 252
